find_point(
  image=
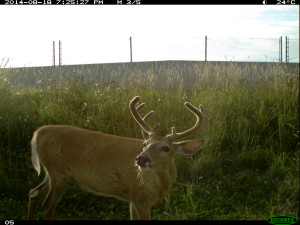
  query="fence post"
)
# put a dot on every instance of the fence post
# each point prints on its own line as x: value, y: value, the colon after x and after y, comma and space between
x: 205, y: 48
x: 280, y: 49
x: 130, y: 49
x: 286, y: 49
x: 60, y: 53
x: 53, y: 53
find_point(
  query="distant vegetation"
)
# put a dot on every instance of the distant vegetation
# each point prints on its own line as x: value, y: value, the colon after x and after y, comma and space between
x: 248, y: 169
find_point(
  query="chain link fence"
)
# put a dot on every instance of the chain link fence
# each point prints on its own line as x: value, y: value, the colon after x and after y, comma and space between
x: 243, y: 49
x: 206, y: 48
x: 293, y: 51
x: 185, y: 48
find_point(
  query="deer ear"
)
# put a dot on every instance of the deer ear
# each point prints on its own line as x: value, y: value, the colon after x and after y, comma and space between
x: 188, y: 147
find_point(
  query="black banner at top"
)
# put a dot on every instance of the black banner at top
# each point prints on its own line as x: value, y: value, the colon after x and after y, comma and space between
x: 149, y: 2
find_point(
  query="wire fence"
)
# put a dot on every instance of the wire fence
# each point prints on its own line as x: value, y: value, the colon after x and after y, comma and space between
x: 281, y: 49
x: 243, y: 49
x: 294, y: 50
x: 159, y: 48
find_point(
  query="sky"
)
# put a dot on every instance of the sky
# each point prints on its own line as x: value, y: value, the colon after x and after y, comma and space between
x: 100, y: 33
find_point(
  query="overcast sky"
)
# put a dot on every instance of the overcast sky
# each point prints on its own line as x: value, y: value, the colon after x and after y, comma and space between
x: 100, y: 34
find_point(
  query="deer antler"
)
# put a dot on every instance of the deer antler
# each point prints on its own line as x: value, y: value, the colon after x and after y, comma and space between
x: 199, y: 113
x: 138, y: 118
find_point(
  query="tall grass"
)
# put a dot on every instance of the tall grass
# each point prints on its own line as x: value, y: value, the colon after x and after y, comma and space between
x: 248, y: 168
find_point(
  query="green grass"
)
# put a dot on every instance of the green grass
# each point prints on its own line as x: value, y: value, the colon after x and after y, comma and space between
x: 248, y: 168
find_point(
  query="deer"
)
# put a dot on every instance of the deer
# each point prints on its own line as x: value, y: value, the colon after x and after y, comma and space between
x: 139, y: 171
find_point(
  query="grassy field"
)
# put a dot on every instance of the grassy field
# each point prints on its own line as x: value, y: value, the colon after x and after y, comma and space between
x: 248, y: 169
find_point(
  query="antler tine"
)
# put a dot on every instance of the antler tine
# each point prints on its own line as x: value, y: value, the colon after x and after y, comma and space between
x: 199, y: 113
x: 139, y: 107
x: 201, y: 107
x: 136, y: 115
x: 147, y: 116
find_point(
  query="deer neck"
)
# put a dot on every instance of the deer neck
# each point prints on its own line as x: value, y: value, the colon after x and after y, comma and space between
x: 158, y: 182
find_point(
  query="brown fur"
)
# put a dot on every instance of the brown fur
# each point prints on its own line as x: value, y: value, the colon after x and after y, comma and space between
x: 105, y: 165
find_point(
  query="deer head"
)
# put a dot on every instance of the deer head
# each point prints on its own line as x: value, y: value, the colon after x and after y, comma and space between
x: 158, y: 151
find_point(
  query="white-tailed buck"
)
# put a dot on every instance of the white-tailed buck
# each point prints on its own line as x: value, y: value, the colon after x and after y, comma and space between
x: 138, y: 171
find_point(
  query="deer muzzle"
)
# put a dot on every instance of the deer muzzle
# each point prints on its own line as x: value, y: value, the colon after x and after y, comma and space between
x: 142, y: 161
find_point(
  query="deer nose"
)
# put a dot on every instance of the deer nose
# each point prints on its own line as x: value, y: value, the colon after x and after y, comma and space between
x: 142, y: 160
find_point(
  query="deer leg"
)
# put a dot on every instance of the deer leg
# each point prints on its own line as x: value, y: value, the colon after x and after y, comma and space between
x: 57, y: 190
x: 36, y: 195
x: 133, y: 212
x: 140, y: 211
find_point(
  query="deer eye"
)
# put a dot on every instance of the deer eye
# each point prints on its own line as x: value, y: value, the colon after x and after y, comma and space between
x: 165, y: 149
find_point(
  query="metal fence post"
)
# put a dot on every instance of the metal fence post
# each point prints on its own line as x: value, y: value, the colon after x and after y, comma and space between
x: 280, y: 49
x: 286, y: 49
x: 53, y: 53
x: 130, y: 49
x: 205, y: 48
x: 60, y: 53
